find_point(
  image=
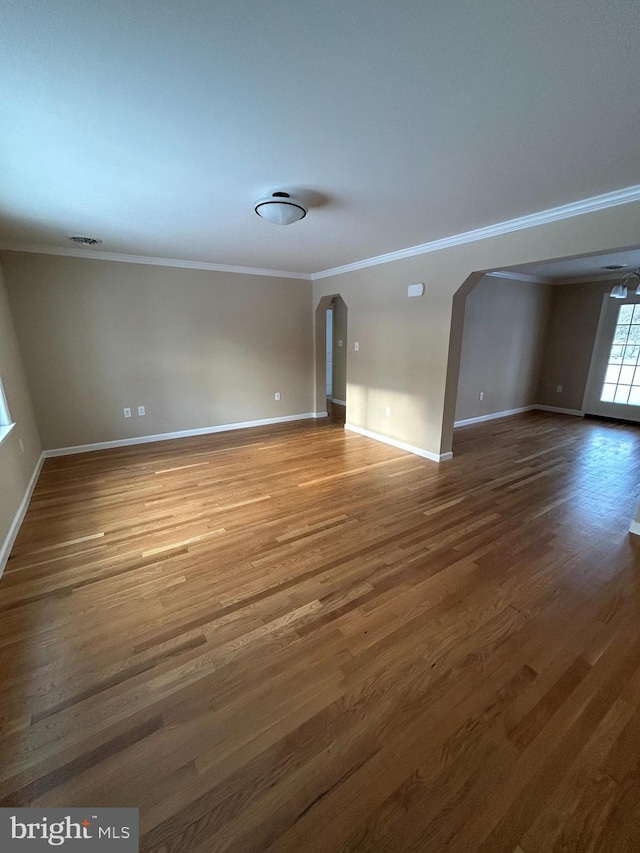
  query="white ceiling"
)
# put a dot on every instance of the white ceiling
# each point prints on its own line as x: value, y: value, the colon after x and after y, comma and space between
x: 155, y: 124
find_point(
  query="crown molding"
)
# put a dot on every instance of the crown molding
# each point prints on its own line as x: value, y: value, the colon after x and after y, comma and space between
x: 143, y: 259
x: 589, y: 278
x: 554, y: 214
x: 518, y: 276
x: 585, y: 278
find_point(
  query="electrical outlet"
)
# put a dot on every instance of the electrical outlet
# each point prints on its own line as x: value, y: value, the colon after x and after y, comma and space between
x: 141, y: 411
x: 339, y: 343
x: 356, y: 346
x: 481, y: 395
x: 127, y: 412
x: 559, y: 389
x: 277, y: 395
x: 387, y: 410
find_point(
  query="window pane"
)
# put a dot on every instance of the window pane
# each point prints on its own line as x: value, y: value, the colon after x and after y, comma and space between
x: 616, y: 354
x: 622, y: 394
x: 631, y: 355
x: 626, y: 375
x: 621, y: 334
x: 613, y: 373
x: 636, y: 313
x: 626, y: 314
x: 634, y: 335
x: 608, y: 393
x: 634, y: 396
x: 636, y: 378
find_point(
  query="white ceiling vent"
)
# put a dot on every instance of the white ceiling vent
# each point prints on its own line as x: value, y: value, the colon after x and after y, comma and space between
x: 84, y: 241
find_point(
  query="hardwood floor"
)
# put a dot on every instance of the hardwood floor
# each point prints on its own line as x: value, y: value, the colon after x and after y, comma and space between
x: 297, y: 639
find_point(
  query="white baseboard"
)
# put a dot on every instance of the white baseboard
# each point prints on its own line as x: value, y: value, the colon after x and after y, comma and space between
x: 339, y: 402
x: 10, y: 538
x: 560, y: 411
x: 494, y: 415
x: 185, y: 433
x: 635, y: 528
x: 401, y: 445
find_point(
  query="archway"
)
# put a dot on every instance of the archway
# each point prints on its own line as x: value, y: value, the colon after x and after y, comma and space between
x: 340, y: 349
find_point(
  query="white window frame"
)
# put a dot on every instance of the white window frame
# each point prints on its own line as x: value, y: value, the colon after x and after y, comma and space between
x: 592, y: 403
x: 6, y: 424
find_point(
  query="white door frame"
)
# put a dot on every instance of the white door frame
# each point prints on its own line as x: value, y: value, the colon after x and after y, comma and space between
x: 601, y: 347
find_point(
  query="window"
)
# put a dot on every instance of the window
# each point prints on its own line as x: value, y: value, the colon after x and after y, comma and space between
x: 622, y: 379
x: 5, y: 419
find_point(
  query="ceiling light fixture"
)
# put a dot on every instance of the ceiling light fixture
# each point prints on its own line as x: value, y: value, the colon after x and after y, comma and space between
x: 630, y: 279
x: 280, y: 208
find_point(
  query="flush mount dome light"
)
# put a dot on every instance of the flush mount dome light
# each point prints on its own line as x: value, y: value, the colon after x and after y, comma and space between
x: 280, y: 208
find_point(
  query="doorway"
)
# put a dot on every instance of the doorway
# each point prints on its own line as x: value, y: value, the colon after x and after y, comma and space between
x: 614, y: 382
x: 331, y: 357
x: 329, y: 349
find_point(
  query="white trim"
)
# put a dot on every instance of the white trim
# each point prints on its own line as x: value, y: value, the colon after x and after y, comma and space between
x: 579, y: 278
x: 5, y: 431
x: 613, y: 276
x: 635, y: 528
x: 559, y: 410
x: 593, y: 362
x: 185, y: 433
x: 518, y: 276
x: 493, y: 416
x: 339, y: 402
x: 143, y: 259
x: 554, y: 214
x: 10, y: 538
x: 401, y: 445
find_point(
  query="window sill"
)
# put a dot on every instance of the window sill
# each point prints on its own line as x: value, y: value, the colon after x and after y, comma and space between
x: 4, y: 432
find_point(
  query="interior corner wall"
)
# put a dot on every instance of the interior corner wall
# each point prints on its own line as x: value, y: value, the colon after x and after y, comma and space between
x: 569, y: 341
x: 504, y: 326
x: 17, y: 465
x: 197, y: 348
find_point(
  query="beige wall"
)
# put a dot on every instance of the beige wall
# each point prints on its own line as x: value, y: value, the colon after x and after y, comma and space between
x: 339, y: 352
x: 196, y: 348
x: 16, y: 466
x: 571, y: 333
x: 410, y: 348
x: 504, y: 326
x: 201, y: 348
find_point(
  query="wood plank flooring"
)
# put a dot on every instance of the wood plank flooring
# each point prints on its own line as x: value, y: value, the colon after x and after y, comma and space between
x: 297, y: 639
